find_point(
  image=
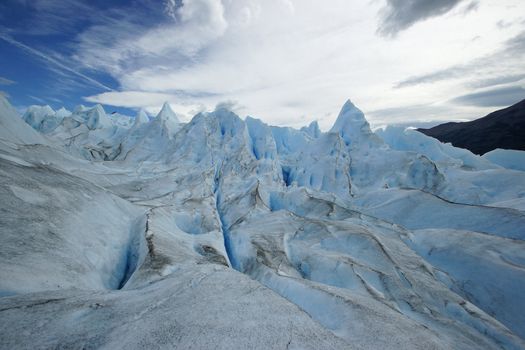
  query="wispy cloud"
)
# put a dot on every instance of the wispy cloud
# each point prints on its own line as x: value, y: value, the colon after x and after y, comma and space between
x: 5, y: 81
x: 47, y: 17
x: 497, y: 64
x: 498, y: 80
x: 51, y: 61
x: 415, y: 113
x: 38, y: 99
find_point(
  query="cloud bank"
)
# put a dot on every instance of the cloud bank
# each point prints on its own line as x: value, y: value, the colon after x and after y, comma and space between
x: 398, y: 15
x: 499, y: 97
x: 280, y: 59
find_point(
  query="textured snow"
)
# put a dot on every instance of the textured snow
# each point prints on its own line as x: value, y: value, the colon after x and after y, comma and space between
x: 195, y: 307
x: 122, y: 232
x: 72, y: 233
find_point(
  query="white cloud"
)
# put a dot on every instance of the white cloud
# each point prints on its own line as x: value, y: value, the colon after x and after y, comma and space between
x: 170, y: 8
x: 281, y: 59
x: 199, y: 23
x: 125, y: 44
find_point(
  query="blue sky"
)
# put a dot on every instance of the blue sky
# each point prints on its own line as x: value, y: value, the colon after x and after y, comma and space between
x: 285, y: 61
x: 38, y: 40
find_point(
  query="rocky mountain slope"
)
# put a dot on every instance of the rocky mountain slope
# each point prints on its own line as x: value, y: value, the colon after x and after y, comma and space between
x: 503, y: 129
x: 230, y: 233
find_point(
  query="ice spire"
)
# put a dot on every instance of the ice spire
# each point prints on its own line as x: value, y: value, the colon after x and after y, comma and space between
x: 351, y: 124
x: 312, y: 129
x: 166, y: 113
x: 167, y: 120
x: 141, y: 118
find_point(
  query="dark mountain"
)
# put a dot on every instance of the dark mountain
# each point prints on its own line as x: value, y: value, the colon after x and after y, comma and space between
x: 500, y: 129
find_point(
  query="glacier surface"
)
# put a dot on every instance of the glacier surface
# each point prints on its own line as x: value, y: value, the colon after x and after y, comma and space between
x: 139, y: 232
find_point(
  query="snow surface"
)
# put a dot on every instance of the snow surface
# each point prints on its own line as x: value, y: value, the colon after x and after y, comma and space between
x: 122, y: 232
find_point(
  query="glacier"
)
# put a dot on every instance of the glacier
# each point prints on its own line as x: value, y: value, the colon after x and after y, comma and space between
x: 148, y: 232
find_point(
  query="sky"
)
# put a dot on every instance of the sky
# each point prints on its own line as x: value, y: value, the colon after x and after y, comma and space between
x: 287, y: 62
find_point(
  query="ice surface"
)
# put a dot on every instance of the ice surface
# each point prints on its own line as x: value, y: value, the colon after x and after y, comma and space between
x: 122, y: 232
x: 444, y: 154
x: 507, y: 158
x: 35, y: 115
x: 489, y: 271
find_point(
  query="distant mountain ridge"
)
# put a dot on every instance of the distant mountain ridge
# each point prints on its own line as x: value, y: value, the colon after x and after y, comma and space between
x: 503, y: 129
